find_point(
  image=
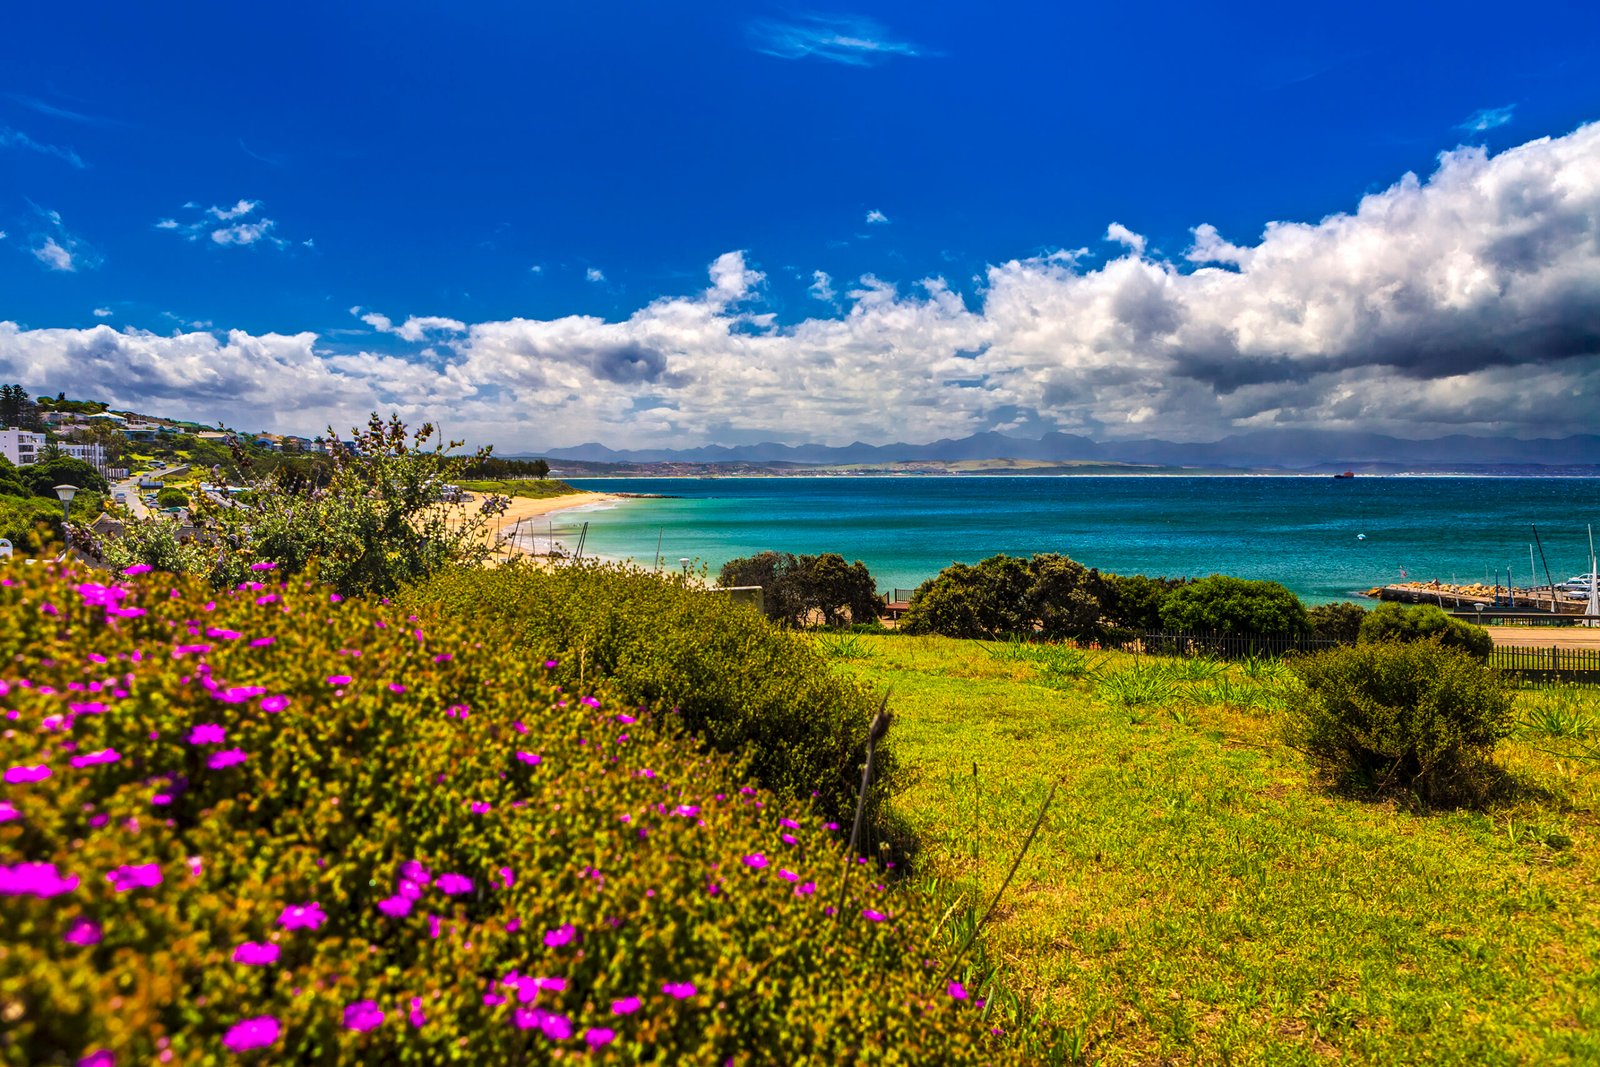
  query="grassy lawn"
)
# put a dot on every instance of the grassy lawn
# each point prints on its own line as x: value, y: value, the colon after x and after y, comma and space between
x: 1194, y: 898
x: 529, y: 488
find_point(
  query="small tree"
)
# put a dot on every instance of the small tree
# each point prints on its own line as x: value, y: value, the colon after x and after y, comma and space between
x: 1422, y: 622
x: 172, y: 497
x: 1223, y: 604
x: 794, y: 588
x: 1339, y: 621
x: 1133, y: 601
x: 770, y: 570
x: 43, y: 477
x: 1412, y: 714
x: 1049, y: 595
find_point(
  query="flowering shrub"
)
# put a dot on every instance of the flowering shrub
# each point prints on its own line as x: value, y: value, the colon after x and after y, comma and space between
x: 272, y: 826
x: 733, y: 679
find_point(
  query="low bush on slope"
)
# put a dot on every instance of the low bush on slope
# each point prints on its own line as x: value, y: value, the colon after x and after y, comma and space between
x: 271, y: 826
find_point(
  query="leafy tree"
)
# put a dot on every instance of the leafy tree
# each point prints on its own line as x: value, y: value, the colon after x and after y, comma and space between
x: 112, y: 441
x: 1339, y: 621
x: 794, y: 588
x: 1224, y: 604
x: 1048, y: 595
x: 172, y: 497
x: 379, y: 521
x: 17, y: 409
x: 1133, y: 601
x: 41, y: 478
x: 1422, y: 622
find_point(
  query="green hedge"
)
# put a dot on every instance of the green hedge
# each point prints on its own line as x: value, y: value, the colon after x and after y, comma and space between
x: 1422, y: 622
x: 273, y: 817
x: 736, y: 681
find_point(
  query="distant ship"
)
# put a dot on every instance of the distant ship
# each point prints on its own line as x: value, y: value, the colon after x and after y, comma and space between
x: 1346, y: 474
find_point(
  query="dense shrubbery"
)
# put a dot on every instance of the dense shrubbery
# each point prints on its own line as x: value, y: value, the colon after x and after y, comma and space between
x: 376, y: 522
x: 738, y: 683
x: 795, y: 589
x: 1422, y: 622
x: 267, y: 826
x: 172, y: 497
x: 1133, y: 601
x: 1048, y: 595
x: 1223, y: 604
x: 1412, y: 714
x: 1339, y: 621
x: 42, y: 477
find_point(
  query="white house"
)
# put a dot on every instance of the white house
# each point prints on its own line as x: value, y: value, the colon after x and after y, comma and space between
x: 21, y: 447
x: 94, y: 455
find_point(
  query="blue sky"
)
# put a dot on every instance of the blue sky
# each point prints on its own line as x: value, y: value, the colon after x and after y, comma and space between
x: 260, y: 172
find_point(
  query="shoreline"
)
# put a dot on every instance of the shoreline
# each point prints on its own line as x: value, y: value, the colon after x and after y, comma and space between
x: 517, y: 533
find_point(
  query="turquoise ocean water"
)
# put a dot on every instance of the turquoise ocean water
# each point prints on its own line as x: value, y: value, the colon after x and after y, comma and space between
x: 1299, y: 531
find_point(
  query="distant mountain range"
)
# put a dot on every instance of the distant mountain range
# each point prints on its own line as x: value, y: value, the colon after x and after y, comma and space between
x: 1259, y: 450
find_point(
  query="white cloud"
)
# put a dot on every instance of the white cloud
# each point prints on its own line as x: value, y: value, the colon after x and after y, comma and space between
x: 1489, y: 118
x: 1463, y: 302
x: 240, y: 234
x: 1122, y: 235
x: 102, y: 313
x: 54, y: 256
x: 850, y: 40
x: 821, y: 287
x: 594, y: 274
x: 537, y: 268
x: 877, y: 218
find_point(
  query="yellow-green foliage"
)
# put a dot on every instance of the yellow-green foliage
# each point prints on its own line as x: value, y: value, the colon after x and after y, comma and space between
x: 734, y: 680
x: 527, y: 488
x: 184, y: 769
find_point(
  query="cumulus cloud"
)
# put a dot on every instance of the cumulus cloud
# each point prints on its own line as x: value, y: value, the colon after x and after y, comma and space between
x: 847, y: 39
x: 877, y: 218
x: 1467, y: 301
x: 594, y: 274
x: 102, y: 313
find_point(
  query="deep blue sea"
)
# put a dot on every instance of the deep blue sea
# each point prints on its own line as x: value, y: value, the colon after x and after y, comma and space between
x: 1300, y: 531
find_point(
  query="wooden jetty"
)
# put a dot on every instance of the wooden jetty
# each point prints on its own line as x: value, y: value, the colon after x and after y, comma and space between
x: 1468, y: 597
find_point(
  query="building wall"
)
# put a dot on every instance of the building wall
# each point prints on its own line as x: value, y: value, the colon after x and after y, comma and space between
x: 21, y: 447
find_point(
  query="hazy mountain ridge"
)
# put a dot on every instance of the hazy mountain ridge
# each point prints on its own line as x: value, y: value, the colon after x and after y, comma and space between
x: 1261, y: 449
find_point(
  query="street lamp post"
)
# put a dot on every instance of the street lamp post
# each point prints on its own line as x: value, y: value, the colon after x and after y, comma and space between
x: 66, y: 493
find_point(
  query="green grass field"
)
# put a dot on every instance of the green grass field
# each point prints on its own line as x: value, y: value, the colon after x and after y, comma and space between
x: 530, y: 488
x: 1193, y: 897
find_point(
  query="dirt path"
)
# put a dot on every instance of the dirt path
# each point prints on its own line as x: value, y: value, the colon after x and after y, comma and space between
x: 1545, y: 636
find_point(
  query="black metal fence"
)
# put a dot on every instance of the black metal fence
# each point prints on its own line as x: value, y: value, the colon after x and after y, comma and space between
x: 1553, y: 664
x: 1216, y: 645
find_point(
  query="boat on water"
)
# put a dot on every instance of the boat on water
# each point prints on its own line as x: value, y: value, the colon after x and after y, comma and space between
x: 1346, y: 474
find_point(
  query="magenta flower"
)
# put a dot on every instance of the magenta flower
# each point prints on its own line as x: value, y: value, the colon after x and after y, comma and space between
x: 396, y: 907
x: 805, y: 889
x: 590, y: 702
x: 688, y: 811
x: 338, y: 679
x: 36, y: 880
x: 625, y: 1006
x: 88, y: 707
x: 256, y: 953
x: 626, y: 720
x: 94, y: 759
x: 196, y: 865
x: 396, y: 687
x: 207, y: 733
x: 362, y: 1016
x: 598, y: 1036
x: 561, y: 935
x: 227, y: 758
x: 481, y: 807
x: 507, y: 877
x: 263, y: 642
x: 98, y: 1058
x: 412, y: 871
x: 756, y: 860
x: 956, y: 990
x: 788, y: 876
x: 223, y: 635
x: 416, y: 1017
x: 8, y: 811
x: 552, y: 1024
x: 679, y: 990
x: 264, y: 565
x: 307, y: 916
x: 83, y: 932
x: 790, y: 823
x: 452, y: 885
x: 137, y: 569
x: 20, y: 775
x: 873, y: 916
x: 251, y: 1033
x: 140, y: 876
x: 531, y: 758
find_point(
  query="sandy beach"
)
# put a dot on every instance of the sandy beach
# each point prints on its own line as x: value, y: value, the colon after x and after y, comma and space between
x: 526, y: 526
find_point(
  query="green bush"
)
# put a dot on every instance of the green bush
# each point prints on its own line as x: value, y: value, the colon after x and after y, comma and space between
x: 743, y: 686
x: 1339, y: 621
x: 795, y: 590
x: 1411, y: 714
x: 172, y: 497
x: 1048, y: 595
x: 359, y: 839
x: 1422, y: 622
x: 1133, y: 601
x: 1223, y: 604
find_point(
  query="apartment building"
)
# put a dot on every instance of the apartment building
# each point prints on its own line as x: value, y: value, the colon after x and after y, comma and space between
x: 21, y: 447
